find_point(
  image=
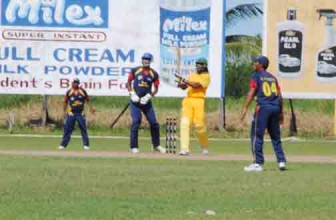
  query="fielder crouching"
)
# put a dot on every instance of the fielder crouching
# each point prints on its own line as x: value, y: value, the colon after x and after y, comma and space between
x: 140, y: 82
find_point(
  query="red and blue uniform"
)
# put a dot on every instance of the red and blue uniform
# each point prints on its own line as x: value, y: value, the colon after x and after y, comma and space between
x: 76, y: 99
x: 143, y: 79
x: 266, y: 116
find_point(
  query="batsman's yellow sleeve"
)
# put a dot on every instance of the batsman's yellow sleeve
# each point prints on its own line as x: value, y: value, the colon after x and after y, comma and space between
x: 205, y: 80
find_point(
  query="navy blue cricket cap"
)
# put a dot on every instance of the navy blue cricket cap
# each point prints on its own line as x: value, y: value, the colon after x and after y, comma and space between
x: 76, y: 80
x: 263, y: 60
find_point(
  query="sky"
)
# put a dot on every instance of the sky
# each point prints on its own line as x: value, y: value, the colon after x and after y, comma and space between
x: 251, y: 27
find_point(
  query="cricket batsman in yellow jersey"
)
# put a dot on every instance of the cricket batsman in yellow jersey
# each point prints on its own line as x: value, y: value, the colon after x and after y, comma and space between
x: 193, y: 106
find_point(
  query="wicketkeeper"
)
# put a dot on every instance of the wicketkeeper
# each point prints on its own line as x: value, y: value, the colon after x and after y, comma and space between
x: 193, y: 106
x: 141, y: 80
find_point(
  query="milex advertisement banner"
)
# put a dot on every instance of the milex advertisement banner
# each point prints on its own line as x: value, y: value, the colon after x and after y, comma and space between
x: 45, y: 44
x: 301, y: 43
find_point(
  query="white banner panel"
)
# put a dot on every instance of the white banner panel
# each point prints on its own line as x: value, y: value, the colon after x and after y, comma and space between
x: 46, y: 44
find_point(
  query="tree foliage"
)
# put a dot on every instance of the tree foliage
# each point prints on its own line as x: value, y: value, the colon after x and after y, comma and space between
x: 242, y: 12
x: 240, y: 52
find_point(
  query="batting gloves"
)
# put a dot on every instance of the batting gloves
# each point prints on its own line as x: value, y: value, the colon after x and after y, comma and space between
x: 180, y: 79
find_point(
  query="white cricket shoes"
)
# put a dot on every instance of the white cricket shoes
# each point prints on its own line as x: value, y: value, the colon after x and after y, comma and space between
x: 205, y: 151
x: 253, y: 168
x: 86, y: 147
x: 61, y: 147
x: 134, y: 150
x: 184, y: 153
x: 160, y: 149
x: 282, y: 166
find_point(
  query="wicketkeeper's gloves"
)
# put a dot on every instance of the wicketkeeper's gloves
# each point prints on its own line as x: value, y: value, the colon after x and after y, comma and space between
x: 134, y: 97
x: 144, y: 100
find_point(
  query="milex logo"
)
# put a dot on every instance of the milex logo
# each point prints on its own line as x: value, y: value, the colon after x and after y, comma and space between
x: 55, y: 13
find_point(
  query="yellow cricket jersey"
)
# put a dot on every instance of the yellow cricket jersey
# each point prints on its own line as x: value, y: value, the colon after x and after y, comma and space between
x: 202, y: 78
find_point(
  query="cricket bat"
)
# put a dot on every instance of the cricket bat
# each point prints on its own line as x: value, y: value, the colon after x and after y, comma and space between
x: 178, y: 60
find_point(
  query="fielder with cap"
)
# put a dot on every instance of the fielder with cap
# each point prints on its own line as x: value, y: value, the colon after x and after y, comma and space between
x: 143, y: 83
x: 268, y: 114
x: 193, y: 106
x: 74, y: 101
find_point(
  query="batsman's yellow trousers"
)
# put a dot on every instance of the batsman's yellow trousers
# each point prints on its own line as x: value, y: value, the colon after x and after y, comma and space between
x: 193, y: 114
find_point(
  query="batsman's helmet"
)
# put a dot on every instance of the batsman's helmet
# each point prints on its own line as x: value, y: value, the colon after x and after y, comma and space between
x: 202, y: 61
x: 147, y: 56
x: 263, y: 60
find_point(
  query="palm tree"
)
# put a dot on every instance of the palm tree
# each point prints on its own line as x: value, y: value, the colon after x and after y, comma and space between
x: 242, y: 12
x: 240, y: 49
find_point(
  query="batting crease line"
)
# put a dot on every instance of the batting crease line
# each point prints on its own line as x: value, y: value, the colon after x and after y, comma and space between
x: 289, y: 139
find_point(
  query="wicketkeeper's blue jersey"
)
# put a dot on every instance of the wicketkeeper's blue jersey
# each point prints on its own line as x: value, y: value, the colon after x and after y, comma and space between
x: 143, y: 78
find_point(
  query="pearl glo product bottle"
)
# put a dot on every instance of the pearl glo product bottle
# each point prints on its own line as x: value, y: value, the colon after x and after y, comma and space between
x: 184, y: 36
x: 326, y: 58
x: 290, y: 46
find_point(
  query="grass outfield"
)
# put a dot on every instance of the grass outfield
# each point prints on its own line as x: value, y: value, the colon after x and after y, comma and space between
x: 121, y: 143
x: 133, y: 188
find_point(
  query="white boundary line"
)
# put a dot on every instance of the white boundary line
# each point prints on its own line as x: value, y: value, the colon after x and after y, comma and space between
x: 288, y: 139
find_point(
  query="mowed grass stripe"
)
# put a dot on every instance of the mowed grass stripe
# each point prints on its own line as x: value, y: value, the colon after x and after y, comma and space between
x: 156, y: 155
x: 97, y: 188
x: 316, y: 148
